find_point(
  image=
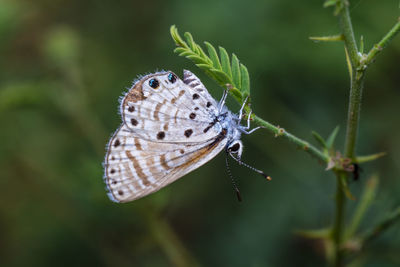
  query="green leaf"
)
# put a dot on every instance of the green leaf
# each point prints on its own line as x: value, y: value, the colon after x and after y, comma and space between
x: 213, y: 55
x: 365, y: 202
x: 329, y: 3
x: 332, y: 38
x: 179, y: 50
x: 187, y: 53
x: 361, y: 45
x: 348, y: 61
x: 197, y: 60
x: 206, y: 69
x: 319, y: 139
x: 236, y: 71
x: 315, y: 234
x: 221, y: 76
x: 201, y: 52
x: 189, y: 40
x: 225, y: 62
x: 362, y: 159
x: 245, y: 81
x: 345, y: 187
x: 219, y: 67
x: 331, y: 138
x: 383, y: 225
x: 177, y: 38
x: 236, y: 93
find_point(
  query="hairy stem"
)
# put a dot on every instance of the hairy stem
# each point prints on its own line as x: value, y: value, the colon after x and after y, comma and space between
x: 278, y: 131
x: 382, y: 43
x: 353, y: 117
x: 348, y: 34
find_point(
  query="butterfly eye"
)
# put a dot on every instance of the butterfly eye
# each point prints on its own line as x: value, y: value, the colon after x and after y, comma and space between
x: 172, y: 77
x: 154, y: 83
x: 234, y: 148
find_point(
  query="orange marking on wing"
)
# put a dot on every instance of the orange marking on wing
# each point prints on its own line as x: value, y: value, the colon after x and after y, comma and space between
x: 138, y: 168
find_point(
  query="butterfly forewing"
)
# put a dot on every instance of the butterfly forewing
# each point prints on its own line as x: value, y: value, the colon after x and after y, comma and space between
x: 172, y: 112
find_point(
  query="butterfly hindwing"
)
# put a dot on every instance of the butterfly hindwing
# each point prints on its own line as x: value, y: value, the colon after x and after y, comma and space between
x: 135, y: 167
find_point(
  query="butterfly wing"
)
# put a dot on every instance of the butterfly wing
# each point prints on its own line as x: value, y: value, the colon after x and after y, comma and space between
x: 168, y: 130
x: 173, y: 111
x: 135, y: 167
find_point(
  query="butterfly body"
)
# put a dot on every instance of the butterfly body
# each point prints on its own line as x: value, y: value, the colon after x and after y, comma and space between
x: 170, y: 127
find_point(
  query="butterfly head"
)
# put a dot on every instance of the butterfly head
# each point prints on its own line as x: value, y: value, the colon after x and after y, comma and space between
x: 235, y: 147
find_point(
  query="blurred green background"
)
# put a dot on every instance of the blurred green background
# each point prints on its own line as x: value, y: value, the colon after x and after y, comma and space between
x: 63, y: 66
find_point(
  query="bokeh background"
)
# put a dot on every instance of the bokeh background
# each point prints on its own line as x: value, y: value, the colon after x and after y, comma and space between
x: 63, y: 66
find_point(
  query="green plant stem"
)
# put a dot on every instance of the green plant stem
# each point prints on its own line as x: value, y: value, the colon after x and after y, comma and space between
x: 359, y: 65
x: 357, y: 80
x: 382, y: 43
x: 278, y: 131
x: 337, y: 231
x: 353, y: 116
x: 348, y: 34
x: 392, y: 218
x: 363, y: 205
x: 170, y: 243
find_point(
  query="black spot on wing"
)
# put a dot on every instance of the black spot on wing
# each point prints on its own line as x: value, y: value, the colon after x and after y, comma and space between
x: 188, y: 133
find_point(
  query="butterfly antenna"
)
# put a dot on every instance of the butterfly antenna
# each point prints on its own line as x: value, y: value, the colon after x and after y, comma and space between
x: 239, y: 197
x: 252, y: 168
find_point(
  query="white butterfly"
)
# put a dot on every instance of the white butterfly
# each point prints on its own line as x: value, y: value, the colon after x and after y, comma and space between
x: 170, y: 127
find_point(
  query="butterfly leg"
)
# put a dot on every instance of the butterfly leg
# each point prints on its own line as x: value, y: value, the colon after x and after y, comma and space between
x: 247, y: 127
x: 248, y: 121
x: 223, y: 99
x: 253, y: 130
x: 242, y: 108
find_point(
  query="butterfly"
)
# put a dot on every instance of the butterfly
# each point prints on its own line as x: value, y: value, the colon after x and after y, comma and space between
x: 169, y: 128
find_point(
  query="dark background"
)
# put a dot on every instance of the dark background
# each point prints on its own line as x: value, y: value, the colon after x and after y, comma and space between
x: 63, y: 66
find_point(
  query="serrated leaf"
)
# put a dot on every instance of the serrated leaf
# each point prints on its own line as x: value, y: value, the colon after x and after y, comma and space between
x: 329, y: 3
x: 213, y: 56
x: 225, y: 62
x: 331, y: 138
x: 221, y: 76
x: 236, y: 71
x: 245, y: 84
x: 319, y: 139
